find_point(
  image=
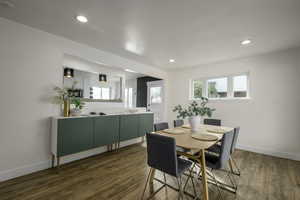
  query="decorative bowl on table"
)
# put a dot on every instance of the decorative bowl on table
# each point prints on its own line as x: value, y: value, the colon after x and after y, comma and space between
x: 76, y: 112
x: 133, y: 110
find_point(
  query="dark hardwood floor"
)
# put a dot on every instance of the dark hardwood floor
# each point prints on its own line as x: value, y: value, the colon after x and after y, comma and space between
x: 122, y: 175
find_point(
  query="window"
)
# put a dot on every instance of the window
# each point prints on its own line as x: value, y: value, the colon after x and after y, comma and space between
x: 155, y: 95
x: 240, y: 86
x: 217, y: 88
x: 128, y: 97
x: 197, y: 89
x: 100, y: 93
x: 227, y: 87
x: 105, y: 93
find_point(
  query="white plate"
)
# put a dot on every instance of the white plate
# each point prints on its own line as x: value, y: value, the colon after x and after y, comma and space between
x: 216, y: 130
x: 186, y: 126
x: 205, y: 137
x: 173, y: 131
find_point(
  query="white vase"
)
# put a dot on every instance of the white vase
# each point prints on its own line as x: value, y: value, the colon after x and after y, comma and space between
x: 195, y: 123
x: 76, y: 112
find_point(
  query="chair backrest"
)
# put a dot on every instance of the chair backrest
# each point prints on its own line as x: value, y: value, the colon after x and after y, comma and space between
x: 235, y: 137
x: 161, y: 126
x: 225, y: 149
x: 162, y: 153
x: 178, y: 122
x: 215, y: 122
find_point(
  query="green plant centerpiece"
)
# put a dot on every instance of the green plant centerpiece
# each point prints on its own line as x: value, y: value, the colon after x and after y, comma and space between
x: 65, y: 97
x: 194, y: 112
x: 78, y: 105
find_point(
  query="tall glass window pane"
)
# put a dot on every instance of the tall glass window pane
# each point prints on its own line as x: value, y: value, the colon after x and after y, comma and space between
x: 240, y: 86
x: 197, y: 89
x: 217, y: 88
x: 126, y: 97
x: 105, y: 93
x: 96, y: 93
x: 155, y: 95
x: 130, y: 97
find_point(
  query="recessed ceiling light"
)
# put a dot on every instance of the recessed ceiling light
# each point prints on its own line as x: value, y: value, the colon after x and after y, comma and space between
x: 81, y: 19
x: 246, y: 42
x: 171, y: 60
x: 129, y: 70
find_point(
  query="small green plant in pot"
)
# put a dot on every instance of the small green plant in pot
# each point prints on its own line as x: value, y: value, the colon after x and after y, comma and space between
x: 194, y: 112
x: 78, y: 105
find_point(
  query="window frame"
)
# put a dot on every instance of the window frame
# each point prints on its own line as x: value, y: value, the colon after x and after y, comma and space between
x: 230, y: 87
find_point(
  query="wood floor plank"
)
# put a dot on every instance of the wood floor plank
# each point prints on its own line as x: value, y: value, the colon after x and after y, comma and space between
x: 121, y: 175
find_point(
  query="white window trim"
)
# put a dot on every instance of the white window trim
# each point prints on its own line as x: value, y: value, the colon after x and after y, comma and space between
x: 230, y: 91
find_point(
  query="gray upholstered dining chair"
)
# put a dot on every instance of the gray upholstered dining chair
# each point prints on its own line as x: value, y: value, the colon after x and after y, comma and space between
x: 164, y: 125
x: 161, y: 151
x: 214, y: 122
x: 233, y: 147
x: 178, y: 122
x: 161, y: 126
x: 217, y: 149
x: 220, y: 161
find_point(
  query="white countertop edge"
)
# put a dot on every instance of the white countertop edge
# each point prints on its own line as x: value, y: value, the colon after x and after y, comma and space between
x: 113, y: 114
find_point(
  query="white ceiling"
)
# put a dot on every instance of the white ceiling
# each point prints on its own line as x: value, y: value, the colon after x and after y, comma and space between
x: 192, y: 32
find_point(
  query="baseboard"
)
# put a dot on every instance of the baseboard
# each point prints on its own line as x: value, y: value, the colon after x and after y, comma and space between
x: 21, y: 171
x: 269, y: 152
x: 28, y: 169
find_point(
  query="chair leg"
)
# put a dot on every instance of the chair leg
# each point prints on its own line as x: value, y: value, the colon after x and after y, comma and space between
x: 217, y: 184
x: 166, y: 188
x: 148, y: 177
x: 180, y: 196
x: 232, y: 180
x: 191, y: 176
x: 238, y: 173
x: 194, y: 188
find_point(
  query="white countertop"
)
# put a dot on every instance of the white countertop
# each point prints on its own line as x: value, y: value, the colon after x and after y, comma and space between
x: 97, y: 115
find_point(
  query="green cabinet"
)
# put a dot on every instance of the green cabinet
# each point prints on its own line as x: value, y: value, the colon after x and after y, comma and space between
x: 145, y: 124
x: 129, y: 127
x: 106, y: 130
x: 74, y: 135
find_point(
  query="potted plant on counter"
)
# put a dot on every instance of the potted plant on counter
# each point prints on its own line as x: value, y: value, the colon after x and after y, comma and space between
x: 65, y: 96
x: 78, y: 104
x: 194, y: 112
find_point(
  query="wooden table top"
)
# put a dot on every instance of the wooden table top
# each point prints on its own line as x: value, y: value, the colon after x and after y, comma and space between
x: 185, y: 139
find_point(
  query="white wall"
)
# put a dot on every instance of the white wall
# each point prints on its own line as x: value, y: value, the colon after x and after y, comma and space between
x: 30, y: 65
x: 270, y: 120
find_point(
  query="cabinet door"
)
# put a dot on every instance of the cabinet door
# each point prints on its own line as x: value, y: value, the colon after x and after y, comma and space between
x: 74, y: 135
x: 106, y: 130
x: 129, y: 127
x: 146, y: 124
